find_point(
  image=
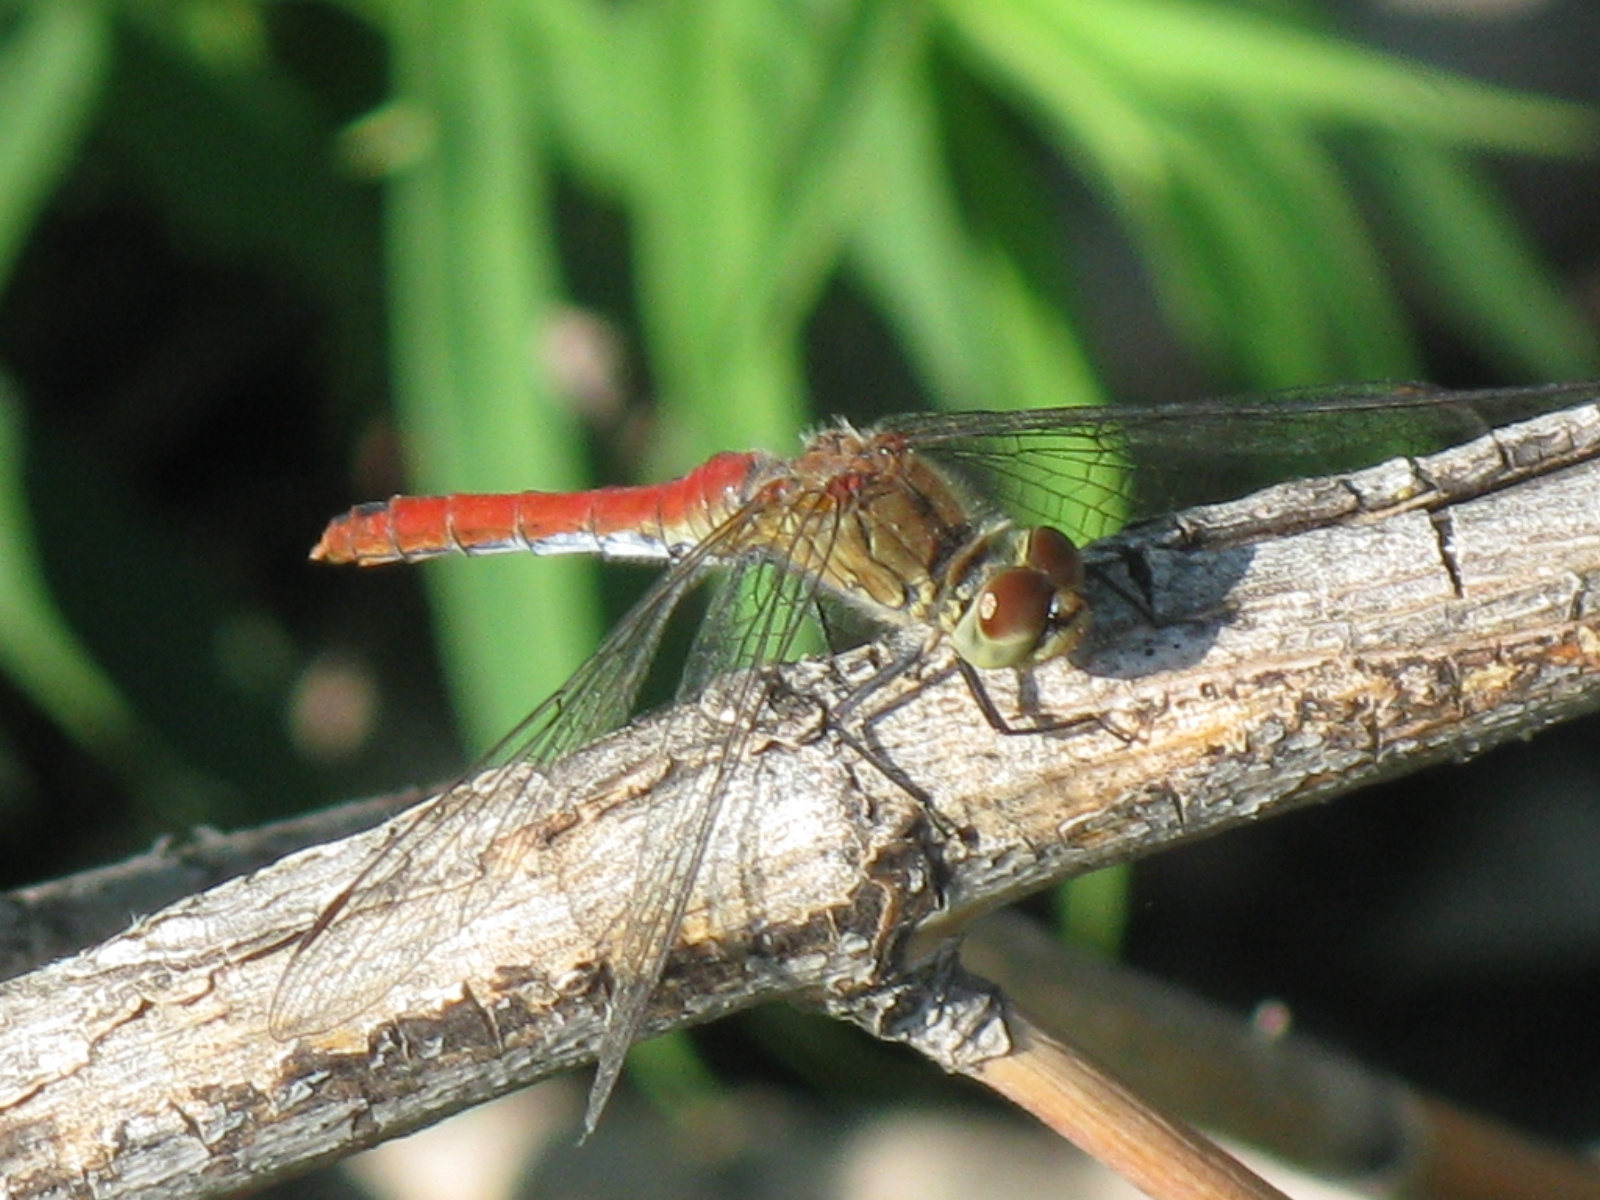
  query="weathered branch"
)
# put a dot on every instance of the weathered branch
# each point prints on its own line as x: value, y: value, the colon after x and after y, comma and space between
x: 1308, y: 640
x: 51, y: 920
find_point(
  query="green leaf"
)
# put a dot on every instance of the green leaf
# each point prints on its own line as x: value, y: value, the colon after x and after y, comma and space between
x: 39, y: 652
x: 1093, y: 909
x: 1268, y: 263
x: 1487, y: 273
x: 911, y: 249
x: 1195, y: 55
x: 51, y: 71
x: 473, y: 281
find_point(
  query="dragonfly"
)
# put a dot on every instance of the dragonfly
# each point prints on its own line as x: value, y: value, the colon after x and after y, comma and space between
x: 947, y: 528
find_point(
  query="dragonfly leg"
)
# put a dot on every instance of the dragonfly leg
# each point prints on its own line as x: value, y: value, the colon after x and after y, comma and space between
x: 998, y: 723
x: 854, y: 727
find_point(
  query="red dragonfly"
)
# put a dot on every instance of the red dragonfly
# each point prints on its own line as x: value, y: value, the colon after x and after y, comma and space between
x: 909, y: 524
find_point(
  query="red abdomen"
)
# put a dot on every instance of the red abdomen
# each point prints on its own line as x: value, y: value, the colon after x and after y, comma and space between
x: 642, y: 523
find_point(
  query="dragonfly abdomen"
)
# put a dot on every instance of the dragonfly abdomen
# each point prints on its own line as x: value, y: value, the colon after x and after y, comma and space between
x: 650, y: 524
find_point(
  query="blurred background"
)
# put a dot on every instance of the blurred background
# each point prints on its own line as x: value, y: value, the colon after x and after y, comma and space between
x: 264, y: 260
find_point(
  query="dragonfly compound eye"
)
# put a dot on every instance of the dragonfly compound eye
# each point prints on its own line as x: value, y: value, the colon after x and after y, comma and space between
x: 1029, y: 613
x: 1055, y: 555
x: 1005, y: 620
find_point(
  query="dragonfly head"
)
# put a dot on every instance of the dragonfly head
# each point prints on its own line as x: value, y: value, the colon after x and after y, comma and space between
x: 1029, y: 610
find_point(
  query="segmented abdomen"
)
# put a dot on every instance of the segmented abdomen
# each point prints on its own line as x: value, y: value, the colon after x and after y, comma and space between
x: 641, y: 523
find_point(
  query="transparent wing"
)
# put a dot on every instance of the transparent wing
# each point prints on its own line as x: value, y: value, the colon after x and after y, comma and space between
x: 756, y: 619
x: 1089, y: 470
x: 436, y: 873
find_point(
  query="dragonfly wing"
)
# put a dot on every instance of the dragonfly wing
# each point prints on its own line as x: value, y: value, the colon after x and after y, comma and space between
x: 436, y: 873
x: 755, y: 619
x: 1089, y: 470
x: 415, y: 892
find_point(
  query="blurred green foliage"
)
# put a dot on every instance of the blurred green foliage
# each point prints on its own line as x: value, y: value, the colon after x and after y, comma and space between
x: 1277, y: 181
